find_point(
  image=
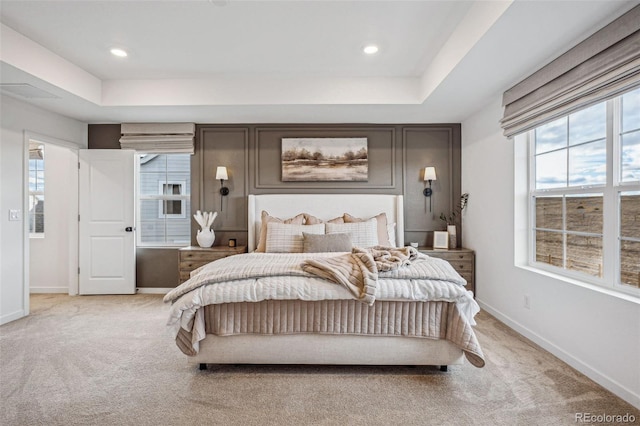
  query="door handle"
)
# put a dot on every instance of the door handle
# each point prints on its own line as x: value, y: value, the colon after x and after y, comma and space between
x: 129, y: 229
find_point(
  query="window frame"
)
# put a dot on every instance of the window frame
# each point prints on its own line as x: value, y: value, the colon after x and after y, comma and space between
x: 160, y: 198
x: 611, y: 190
x: 35, y: 194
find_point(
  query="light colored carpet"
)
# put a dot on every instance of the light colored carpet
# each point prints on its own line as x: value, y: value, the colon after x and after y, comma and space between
x: 109, y: 360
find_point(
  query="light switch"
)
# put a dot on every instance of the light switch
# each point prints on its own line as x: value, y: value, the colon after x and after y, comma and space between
x: 14, y: 214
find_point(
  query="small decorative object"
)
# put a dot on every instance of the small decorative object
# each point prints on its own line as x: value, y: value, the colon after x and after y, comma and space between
x: 453, y: 218
x: 440, y: 240
x: 232, y: 242
x: 453, y: 237
x: 205, y: 236
x: 414, y: 245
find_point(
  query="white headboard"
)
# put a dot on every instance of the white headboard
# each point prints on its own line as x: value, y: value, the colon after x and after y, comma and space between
x: 325, y: 207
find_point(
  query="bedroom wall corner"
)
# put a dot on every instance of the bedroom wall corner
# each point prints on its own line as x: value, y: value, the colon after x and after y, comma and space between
x: 572, y: 322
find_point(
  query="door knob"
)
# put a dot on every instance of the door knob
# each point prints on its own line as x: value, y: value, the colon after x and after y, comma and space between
x: 129, y: 229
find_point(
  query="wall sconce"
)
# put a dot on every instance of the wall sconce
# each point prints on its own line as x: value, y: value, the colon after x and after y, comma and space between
x: 222, y: 175
x: 429, y: 176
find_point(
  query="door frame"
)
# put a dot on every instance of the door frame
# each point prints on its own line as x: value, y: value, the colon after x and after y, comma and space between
x: 73, y: 230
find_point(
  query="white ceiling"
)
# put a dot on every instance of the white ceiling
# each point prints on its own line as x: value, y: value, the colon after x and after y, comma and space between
x: 284, y: 61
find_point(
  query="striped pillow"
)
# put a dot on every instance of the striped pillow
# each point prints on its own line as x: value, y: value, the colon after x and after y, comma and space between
x: 287, y: 238
x: 363, y: 234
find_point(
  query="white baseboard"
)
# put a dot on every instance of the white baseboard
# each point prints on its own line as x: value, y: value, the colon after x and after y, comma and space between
x: 153, y: 290
x: 11, y: 317
x: 64, y: 290
x: 595, y: 375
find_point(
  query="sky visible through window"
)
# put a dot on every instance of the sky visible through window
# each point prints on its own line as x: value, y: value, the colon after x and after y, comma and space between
x: 571, y: 151
x: 630, y: 152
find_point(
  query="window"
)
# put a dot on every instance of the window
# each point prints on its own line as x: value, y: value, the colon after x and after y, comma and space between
x: 36, y: 190
x: 585, y: 194
x: 164, y: 193
x: 172, y: 208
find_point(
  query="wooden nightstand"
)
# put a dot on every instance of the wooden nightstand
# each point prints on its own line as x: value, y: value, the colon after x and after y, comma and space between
x: 194, y: 257
x: 463, y: 261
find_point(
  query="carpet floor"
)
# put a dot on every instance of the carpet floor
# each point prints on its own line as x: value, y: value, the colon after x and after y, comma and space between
x: 110, y: 360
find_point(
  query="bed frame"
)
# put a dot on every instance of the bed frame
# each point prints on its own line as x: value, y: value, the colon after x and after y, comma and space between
x: 325, y: 349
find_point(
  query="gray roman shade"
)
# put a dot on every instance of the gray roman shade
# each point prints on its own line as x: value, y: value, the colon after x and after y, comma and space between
x: 602, y: 66
x: 158, y: 138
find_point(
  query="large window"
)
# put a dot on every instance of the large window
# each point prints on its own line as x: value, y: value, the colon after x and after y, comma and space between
x: 585, y: 194
x: 36, y: 189
x: 164, y: 193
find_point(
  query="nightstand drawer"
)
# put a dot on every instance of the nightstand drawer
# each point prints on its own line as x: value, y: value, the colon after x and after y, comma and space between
x: 451, y: 255
x: 467, y: 275
x: 202, y: 255
x: 193, y: 264
x: 461, y: 265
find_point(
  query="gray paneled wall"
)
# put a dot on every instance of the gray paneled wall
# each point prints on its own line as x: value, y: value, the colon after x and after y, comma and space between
x: 252, y: 152
x: 397, y: 157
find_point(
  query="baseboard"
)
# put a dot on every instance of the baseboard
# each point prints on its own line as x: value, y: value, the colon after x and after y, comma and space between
x: 595, y: 375
x: 153, y: 290
x: 64, y: 290
x: 11, y: 317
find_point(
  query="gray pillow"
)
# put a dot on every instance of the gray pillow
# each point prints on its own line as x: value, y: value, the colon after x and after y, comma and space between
x: 322, y: 243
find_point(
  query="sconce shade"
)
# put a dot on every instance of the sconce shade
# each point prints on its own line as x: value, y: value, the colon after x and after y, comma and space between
x: 221, y: 173
x: 429, y: 173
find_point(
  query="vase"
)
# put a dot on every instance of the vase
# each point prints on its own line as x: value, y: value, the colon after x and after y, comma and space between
x: 453, y: 238
x: 205, y: 237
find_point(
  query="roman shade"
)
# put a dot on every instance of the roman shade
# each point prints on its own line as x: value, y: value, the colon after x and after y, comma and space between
x: 158, y: 138
x: 602, y: 66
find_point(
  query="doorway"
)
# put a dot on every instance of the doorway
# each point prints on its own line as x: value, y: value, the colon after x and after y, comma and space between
x: 51, y: 216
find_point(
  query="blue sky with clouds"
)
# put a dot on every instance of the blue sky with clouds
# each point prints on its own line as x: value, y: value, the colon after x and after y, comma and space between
x: 571, y: 151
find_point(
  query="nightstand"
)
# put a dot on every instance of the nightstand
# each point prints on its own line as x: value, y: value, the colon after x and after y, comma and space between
x: 463, y: 261
x: 193, y: 257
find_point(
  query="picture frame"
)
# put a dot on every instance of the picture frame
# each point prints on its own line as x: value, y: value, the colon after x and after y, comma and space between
x: 441, y: 240
x: 325, y: 159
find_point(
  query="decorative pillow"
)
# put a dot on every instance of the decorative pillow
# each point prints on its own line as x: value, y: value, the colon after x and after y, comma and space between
x: 325, y: 243
x: 312, y: 220
x: 266, y: 218
x: 363, y: 234
x: 381, y: 219
x: 287, y: 238
x: 391, y: 232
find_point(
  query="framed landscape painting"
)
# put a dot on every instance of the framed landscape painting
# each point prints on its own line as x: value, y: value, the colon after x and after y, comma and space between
x: 324, y: 159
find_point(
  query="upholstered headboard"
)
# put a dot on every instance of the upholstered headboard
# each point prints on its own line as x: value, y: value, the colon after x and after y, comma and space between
x: 325, y: 207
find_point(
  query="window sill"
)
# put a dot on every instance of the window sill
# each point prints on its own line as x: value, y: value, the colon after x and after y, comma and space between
x: 594, y: 287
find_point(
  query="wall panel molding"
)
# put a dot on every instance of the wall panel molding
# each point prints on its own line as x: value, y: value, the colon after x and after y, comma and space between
x: 267, y: 155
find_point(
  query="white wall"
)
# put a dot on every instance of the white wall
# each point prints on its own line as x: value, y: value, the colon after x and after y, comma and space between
x: 52, y: 259
x: 17, y: 118
x: 596, y: 333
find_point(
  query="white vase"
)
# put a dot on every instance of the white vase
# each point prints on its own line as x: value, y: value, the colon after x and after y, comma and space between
x: 205, y: 237
x: 453, y: 238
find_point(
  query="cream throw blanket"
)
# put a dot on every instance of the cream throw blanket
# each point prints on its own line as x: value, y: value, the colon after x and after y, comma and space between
x: 358, y: 270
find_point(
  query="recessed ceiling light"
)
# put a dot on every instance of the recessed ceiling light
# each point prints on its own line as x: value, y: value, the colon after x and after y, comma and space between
x: 118, y: 52
x: 370, y: 49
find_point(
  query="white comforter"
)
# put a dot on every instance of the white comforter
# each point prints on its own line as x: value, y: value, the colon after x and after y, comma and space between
x: 256, y: 277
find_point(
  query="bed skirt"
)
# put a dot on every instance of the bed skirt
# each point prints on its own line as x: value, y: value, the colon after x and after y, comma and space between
x: 411, y: 321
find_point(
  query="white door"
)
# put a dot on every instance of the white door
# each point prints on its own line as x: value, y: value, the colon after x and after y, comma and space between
x: 107, y: 237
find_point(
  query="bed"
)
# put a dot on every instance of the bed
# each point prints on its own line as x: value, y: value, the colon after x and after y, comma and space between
x: 282, y: 307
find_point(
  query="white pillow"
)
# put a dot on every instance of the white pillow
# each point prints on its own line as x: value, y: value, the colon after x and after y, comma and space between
x: 287, y: 238
x: 363, y: 234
